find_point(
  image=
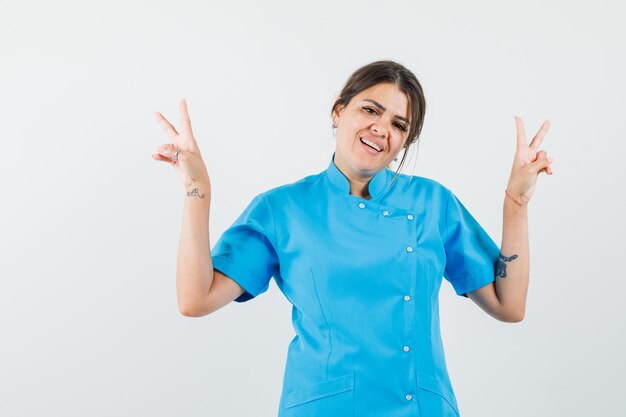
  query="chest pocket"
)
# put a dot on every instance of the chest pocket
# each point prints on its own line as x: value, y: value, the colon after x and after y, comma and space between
x: 334, y: 397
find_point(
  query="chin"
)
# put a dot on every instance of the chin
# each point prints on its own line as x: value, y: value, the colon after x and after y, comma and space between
x: 369, y: 166
x: 363, y: 163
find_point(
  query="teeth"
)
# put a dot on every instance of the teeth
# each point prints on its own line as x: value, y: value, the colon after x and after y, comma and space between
x: 370, y: 143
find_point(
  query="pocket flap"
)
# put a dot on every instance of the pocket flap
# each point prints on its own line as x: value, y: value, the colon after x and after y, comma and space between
x: 323, y: 389
x: 431, y: 384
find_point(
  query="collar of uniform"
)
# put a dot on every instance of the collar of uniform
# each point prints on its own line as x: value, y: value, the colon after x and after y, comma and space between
x: 338, y: 179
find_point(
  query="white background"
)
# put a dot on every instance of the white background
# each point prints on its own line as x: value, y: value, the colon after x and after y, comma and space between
x: 89, y: 224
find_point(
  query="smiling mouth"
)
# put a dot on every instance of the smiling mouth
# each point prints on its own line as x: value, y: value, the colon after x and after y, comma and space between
x: 370, y: 144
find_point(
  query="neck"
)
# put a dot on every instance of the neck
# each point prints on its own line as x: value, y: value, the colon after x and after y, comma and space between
x: 359, y: 186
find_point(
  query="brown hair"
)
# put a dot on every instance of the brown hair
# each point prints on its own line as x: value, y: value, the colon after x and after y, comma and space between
x: 388, y: 72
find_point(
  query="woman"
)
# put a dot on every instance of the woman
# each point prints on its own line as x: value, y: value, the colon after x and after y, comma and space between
x: 360, y: 253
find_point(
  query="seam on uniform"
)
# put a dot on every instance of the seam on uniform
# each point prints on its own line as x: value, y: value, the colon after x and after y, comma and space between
x: 445, y: 239
x: 272, y: 217
x: 330, y: 336
x: 275, y: 243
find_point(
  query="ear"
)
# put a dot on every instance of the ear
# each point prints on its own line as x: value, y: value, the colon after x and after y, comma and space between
x: 338, y: 110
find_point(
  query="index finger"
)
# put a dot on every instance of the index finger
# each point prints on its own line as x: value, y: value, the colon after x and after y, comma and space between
x: 185, y: 121
x: 167, y: 126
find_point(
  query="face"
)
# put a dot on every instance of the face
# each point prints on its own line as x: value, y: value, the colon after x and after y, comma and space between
x: 371, y: 130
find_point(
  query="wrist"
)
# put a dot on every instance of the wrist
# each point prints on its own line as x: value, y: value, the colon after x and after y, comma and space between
x: 511, y: 208
x: 198, y: 189
x: 519, y: 200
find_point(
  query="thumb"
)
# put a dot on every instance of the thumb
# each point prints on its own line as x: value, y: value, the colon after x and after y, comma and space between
x: 541, y: 164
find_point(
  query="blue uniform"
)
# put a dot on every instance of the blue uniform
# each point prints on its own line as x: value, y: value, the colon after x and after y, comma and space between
x: 363, y: 277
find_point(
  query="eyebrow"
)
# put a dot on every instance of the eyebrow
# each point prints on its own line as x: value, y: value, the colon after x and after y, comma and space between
x: 380, y: 106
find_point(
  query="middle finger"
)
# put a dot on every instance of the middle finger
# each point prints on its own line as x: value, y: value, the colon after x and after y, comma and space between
x: 538, y: 139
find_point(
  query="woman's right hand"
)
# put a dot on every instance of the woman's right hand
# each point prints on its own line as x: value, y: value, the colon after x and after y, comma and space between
x: 189, y: 164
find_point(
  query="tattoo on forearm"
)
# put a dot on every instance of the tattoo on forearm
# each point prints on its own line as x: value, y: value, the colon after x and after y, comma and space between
x: 501, y: 266
x: 194, y: 192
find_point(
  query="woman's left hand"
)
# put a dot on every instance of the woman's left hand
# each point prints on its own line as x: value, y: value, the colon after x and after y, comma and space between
x: 528, y: 163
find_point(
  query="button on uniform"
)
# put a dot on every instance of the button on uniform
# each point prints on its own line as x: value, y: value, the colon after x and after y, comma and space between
x: 407, y: 298
x: 409, y: 249
x: 361, y: 205
x: 409, y: 216
x: 386, y: 213
x: 406, y: 348
x: 408, y: 397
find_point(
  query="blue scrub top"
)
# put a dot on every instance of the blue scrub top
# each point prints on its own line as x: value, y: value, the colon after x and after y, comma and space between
x: 363, y: 277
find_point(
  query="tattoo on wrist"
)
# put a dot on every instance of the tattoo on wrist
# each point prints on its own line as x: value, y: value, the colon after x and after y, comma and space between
x: 501, y: 266
x: 194, y: 192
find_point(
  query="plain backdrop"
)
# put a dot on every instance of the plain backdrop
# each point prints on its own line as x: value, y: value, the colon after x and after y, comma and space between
x: 89, y: 224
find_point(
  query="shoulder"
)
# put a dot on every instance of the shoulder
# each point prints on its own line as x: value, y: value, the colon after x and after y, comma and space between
x: 419, y: 186
x: 293, y: 189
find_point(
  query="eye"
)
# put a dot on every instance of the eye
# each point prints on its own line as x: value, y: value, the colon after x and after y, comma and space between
x: 370, y: 110
x: 401, y: 127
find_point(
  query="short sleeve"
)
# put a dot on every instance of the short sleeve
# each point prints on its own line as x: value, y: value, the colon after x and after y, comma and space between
x: 471, y: 254
x: 245, y: 252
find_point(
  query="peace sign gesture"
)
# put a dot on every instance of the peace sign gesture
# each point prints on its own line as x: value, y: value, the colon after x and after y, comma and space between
x: 183, y: 153
x: 528, y: 163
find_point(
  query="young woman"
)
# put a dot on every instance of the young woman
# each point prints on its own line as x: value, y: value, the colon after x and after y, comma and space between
x: 360, y: 252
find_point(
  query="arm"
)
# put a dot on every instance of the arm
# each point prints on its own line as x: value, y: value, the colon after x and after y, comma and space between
x: 505, y: 298
x: 194, y: 266
x: 200, y: 289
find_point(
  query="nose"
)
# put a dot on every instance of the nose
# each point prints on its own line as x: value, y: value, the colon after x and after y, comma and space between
x: 379, y: 128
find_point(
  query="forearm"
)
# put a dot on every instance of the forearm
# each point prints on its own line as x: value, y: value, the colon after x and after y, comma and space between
x: 194, y: 267
x: 513, y: 266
